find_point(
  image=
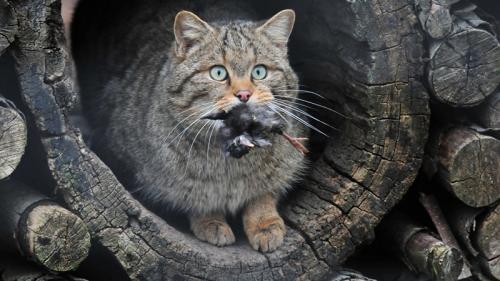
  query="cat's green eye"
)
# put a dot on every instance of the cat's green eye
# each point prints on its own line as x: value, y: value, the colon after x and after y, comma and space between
x: 218, y: 73
x: 259, y: 72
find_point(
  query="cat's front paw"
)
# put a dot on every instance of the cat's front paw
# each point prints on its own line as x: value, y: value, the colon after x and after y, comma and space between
x: 213, y: 231
x: 267, y: 234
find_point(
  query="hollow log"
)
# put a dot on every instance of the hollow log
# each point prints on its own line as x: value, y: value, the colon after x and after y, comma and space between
x: 420, y: 249
x: 464, y: 67
x: 40, y: 229
x: 467, y: 165
x: 360, y: 176
x: 13, y: 137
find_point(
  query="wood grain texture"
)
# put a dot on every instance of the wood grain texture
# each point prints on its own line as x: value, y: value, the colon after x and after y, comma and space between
x: 489, y: 112
x: 487, y: 239
x: 420, y: 249
x: 435, y: 17
x: 376, y: 60
x: 13, y: 137
x: 468, y: 166
x: 478, y: 230
x: 465, y: 67
x: 8, y: 25
x: 369, y: 56
x: 41, y: 230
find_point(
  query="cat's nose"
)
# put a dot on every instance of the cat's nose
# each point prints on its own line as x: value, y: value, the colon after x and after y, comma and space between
x: 243, y: 95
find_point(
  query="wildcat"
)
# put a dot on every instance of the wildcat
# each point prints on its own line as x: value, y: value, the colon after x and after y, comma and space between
x: 152, y: 79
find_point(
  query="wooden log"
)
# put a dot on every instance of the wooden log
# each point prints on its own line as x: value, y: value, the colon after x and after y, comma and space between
x: 435, y: 17
x: 489, y: 112
x: 467, y: 165
x: 465, y: 222
x: 40, y: 229
x: 8, y: 25
x: 16, y: 269
x: 420, y: 249
x: 487, y: 239
x: 13, y: 137
x: 464, y: 67
x: 363, y: 173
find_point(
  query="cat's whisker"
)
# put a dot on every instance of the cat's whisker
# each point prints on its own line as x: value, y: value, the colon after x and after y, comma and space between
x: 190, y: 125
x: 304, y: 113
x: 302, y: 121
x: 300, y: 91
x: 178, y: 124
x: 313, y: 103
x: 295, y: 103
x: 287, y: 86
x: 212, y: 128
x: 186, y: 118
x: 277, y: 112
x: 195, y: 107
x: 192, y: 144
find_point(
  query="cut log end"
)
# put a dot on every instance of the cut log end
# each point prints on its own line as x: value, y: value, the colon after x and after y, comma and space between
x: 56, y: 238
x: 464, y: 68
x: 13, y: 139
x: 39, y: 229
x: 469, y: 165
x: 488, y: 242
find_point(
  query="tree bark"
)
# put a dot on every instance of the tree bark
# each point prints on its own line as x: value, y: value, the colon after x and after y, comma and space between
x: 40, y: 229
x: 420, y: 250
x: 362, y: 174
x: 468, y: 164
x: 13, y: 137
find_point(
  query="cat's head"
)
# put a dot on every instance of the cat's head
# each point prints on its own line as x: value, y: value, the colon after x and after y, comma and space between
x: 217, y: 66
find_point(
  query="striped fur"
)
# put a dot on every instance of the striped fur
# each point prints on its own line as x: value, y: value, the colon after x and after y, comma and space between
x: 144, y: 92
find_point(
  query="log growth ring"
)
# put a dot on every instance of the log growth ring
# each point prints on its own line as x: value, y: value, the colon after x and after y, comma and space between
x: 362, y: 174
x: 465, y: 68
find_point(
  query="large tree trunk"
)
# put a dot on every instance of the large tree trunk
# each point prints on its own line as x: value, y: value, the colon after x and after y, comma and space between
x: 361, y: 175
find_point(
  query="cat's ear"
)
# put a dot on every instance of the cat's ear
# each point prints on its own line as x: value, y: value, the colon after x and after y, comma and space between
x: 188, y: 30
x: 279, y: 27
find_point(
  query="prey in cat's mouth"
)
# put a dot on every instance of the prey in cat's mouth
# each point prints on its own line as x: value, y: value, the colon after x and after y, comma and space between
x: 249, y: 126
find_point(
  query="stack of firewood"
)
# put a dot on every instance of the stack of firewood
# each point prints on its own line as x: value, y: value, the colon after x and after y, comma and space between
x: 462, y: 162
x: 32, y: 225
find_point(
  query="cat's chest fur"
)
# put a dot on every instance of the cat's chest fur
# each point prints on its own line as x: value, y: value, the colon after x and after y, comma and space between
x: 197, y: 176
